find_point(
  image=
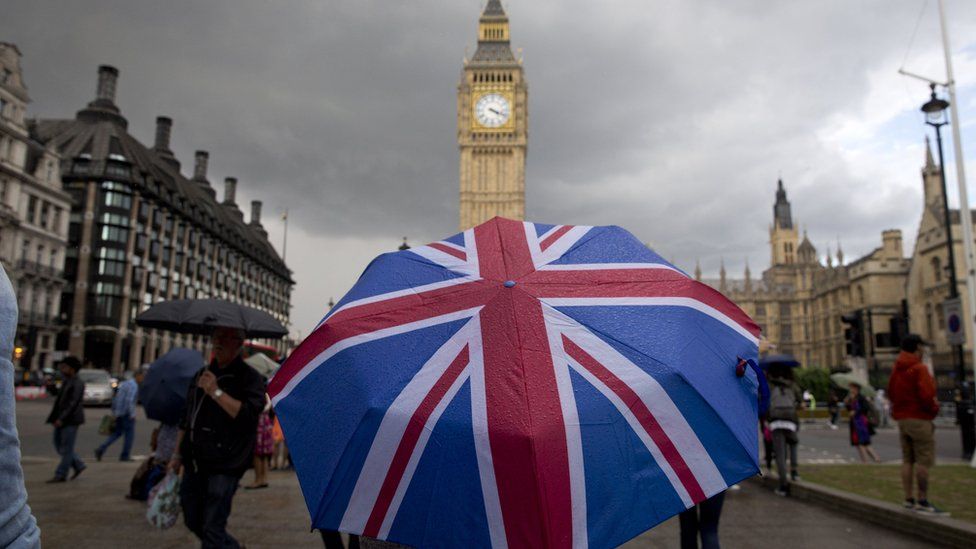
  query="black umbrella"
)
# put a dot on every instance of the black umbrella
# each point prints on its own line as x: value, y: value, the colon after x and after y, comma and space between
x: 201, y: 316
x: 163, y: 391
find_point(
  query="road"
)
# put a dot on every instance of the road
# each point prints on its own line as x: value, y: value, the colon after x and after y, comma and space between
x: 36, y: 436
x: 819, y: 444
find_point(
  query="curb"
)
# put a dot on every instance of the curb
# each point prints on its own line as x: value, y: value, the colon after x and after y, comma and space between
x: 945, y: 531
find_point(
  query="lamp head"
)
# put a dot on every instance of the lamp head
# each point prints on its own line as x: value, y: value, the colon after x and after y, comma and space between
x: 934, y: 109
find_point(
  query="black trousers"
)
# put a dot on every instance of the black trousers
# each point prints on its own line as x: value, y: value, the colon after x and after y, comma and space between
x: 206, y: 500
x: 702, y: 521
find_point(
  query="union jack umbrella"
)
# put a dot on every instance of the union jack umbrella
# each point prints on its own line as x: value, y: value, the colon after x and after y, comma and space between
x: 521, y: 385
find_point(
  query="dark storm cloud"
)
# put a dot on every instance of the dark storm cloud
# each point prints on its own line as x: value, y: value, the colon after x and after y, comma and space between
x: 673, y: 119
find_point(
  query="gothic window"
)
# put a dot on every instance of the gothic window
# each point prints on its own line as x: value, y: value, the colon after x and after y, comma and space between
x: 937, y: 268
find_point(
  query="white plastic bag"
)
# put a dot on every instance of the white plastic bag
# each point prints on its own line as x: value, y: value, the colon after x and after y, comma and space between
x: 164, y: 502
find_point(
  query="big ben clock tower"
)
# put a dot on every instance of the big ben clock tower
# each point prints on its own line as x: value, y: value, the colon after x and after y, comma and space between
x: 492, y: 125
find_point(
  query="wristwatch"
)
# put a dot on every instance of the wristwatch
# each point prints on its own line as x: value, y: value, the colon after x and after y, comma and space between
x: 217, y: 394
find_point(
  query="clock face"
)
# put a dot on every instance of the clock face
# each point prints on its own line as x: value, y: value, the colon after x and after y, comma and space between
x: 492, y: 110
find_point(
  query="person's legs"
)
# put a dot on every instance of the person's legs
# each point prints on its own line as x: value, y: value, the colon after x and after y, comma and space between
x: 65, y: 464
x: 193, y: 499
x: 331, y: 539
x: 65, y: 438
x: 794, y: 461
x: 129, y: 430
x: 688, y: 521
x: 779, y: 448
x: 922, y: 478
x: 69, y: 438
x: 872, y: 453
x: 220, y: 495
x: 907, y: 461
x: 862, y: 453
x: 711, y: 510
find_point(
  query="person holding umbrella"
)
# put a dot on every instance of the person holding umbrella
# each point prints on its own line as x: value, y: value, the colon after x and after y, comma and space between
x: 860, y: 421
x: 216, y: 438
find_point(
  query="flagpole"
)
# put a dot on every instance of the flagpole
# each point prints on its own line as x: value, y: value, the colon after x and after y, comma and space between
x: 284, y: 239
x: 965, y: 218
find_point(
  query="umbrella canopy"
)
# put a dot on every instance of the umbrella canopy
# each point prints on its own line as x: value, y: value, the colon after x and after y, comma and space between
x: 784, y: 360
x: 845, y: 379
x: 201, y: 316
x: 163, y: 390
x: 260, y: 362
x: 520, y: 384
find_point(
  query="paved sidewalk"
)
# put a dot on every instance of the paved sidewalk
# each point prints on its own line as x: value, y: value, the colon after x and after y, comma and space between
x: 91, y: 512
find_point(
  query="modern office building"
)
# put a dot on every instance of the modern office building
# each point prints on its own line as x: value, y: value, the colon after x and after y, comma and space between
x: 140, y: 232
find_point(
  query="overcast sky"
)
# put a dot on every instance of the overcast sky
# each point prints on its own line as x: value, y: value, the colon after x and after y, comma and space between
x: 671, y: 118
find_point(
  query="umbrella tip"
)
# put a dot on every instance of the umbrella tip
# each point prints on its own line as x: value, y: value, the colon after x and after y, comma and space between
x: 509, y: 283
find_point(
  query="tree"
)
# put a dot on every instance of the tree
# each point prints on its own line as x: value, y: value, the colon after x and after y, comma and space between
x: 815, y: 380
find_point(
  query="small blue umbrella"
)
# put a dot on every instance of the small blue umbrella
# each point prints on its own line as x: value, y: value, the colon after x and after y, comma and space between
x: 784, y: 360
x: 163, y: 391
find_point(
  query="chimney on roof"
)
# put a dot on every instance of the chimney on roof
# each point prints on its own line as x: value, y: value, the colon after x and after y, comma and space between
x: 164, y: 126
x: 107, y: 78
x: 230, y: 189
x: 200, y: 160
x: 255, y: 212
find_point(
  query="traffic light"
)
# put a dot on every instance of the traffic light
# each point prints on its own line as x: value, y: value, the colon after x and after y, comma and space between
x: 854, y: 333
x: 18, y: 352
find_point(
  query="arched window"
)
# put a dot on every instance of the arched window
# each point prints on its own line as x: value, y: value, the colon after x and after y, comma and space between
x: 937, y: 268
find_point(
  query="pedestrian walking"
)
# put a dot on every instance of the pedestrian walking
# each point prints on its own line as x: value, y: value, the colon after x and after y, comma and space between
x: 833, y: 406
x: 279, y: 459
x: 883, y: 407
x: 859, y: 409
x: 66, y: 415
x: 263, y: 448
x: 784, y: 400
x: 18, y: 527
x: 914, y: 406
x: 701, y: 521
x: 124, y: 412
x: 216, y: 438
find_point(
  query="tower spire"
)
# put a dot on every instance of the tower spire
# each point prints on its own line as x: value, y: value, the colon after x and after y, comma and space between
x: 697, y: 271
x: 929, y: 161
x: 782, y: 213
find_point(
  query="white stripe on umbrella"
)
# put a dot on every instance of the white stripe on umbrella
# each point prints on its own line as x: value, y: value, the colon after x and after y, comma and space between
x: 390, y: 433
x: 486, y: 466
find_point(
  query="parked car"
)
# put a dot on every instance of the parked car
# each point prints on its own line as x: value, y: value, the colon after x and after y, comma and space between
x: 98, y: 386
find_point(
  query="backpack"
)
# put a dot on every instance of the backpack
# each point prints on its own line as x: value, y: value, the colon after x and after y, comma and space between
x: 782, y: 403
x: 871, y: 412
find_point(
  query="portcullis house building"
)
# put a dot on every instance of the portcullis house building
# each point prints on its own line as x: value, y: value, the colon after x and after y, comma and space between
x: 140, y: 232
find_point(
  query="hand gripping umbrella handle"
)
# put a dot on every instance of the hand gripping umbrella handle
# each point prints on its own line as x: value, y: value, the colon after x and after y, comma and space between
x: 740, y: 370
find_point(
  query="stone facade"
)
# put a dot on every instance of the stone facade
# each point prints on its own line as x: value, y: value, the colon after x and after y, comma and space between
x: 140, y: 232
x: 33, y: 220
x: 492, y: 121
x: 928, y: 281
x: 799, y: 300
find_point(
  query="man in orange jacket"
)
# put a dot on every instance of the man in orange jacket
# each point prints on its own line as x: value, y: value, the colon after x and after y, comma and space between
x: 914, y: 405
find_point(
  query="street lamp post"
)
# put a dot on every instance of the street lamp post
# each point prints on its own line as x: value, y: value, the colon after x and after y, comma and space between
x: 935, y: 116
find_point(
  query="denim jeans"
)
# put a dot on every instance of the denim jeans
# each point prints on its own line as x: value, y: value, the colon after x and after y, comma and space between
x: 124, y: 426
x: 17, y: 525
x: 702, y: 520
x: 64, y: 443
x: 206, y: 500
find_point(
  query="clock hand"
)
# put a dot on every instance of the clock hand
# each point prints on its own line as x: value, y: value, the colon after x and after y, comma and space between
x: 494, y: 111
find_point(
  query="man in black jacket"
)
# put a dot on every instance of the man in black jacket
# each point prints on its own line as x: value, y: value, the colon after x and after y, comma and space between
x: 66, y: 415
x: 216, y: 438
